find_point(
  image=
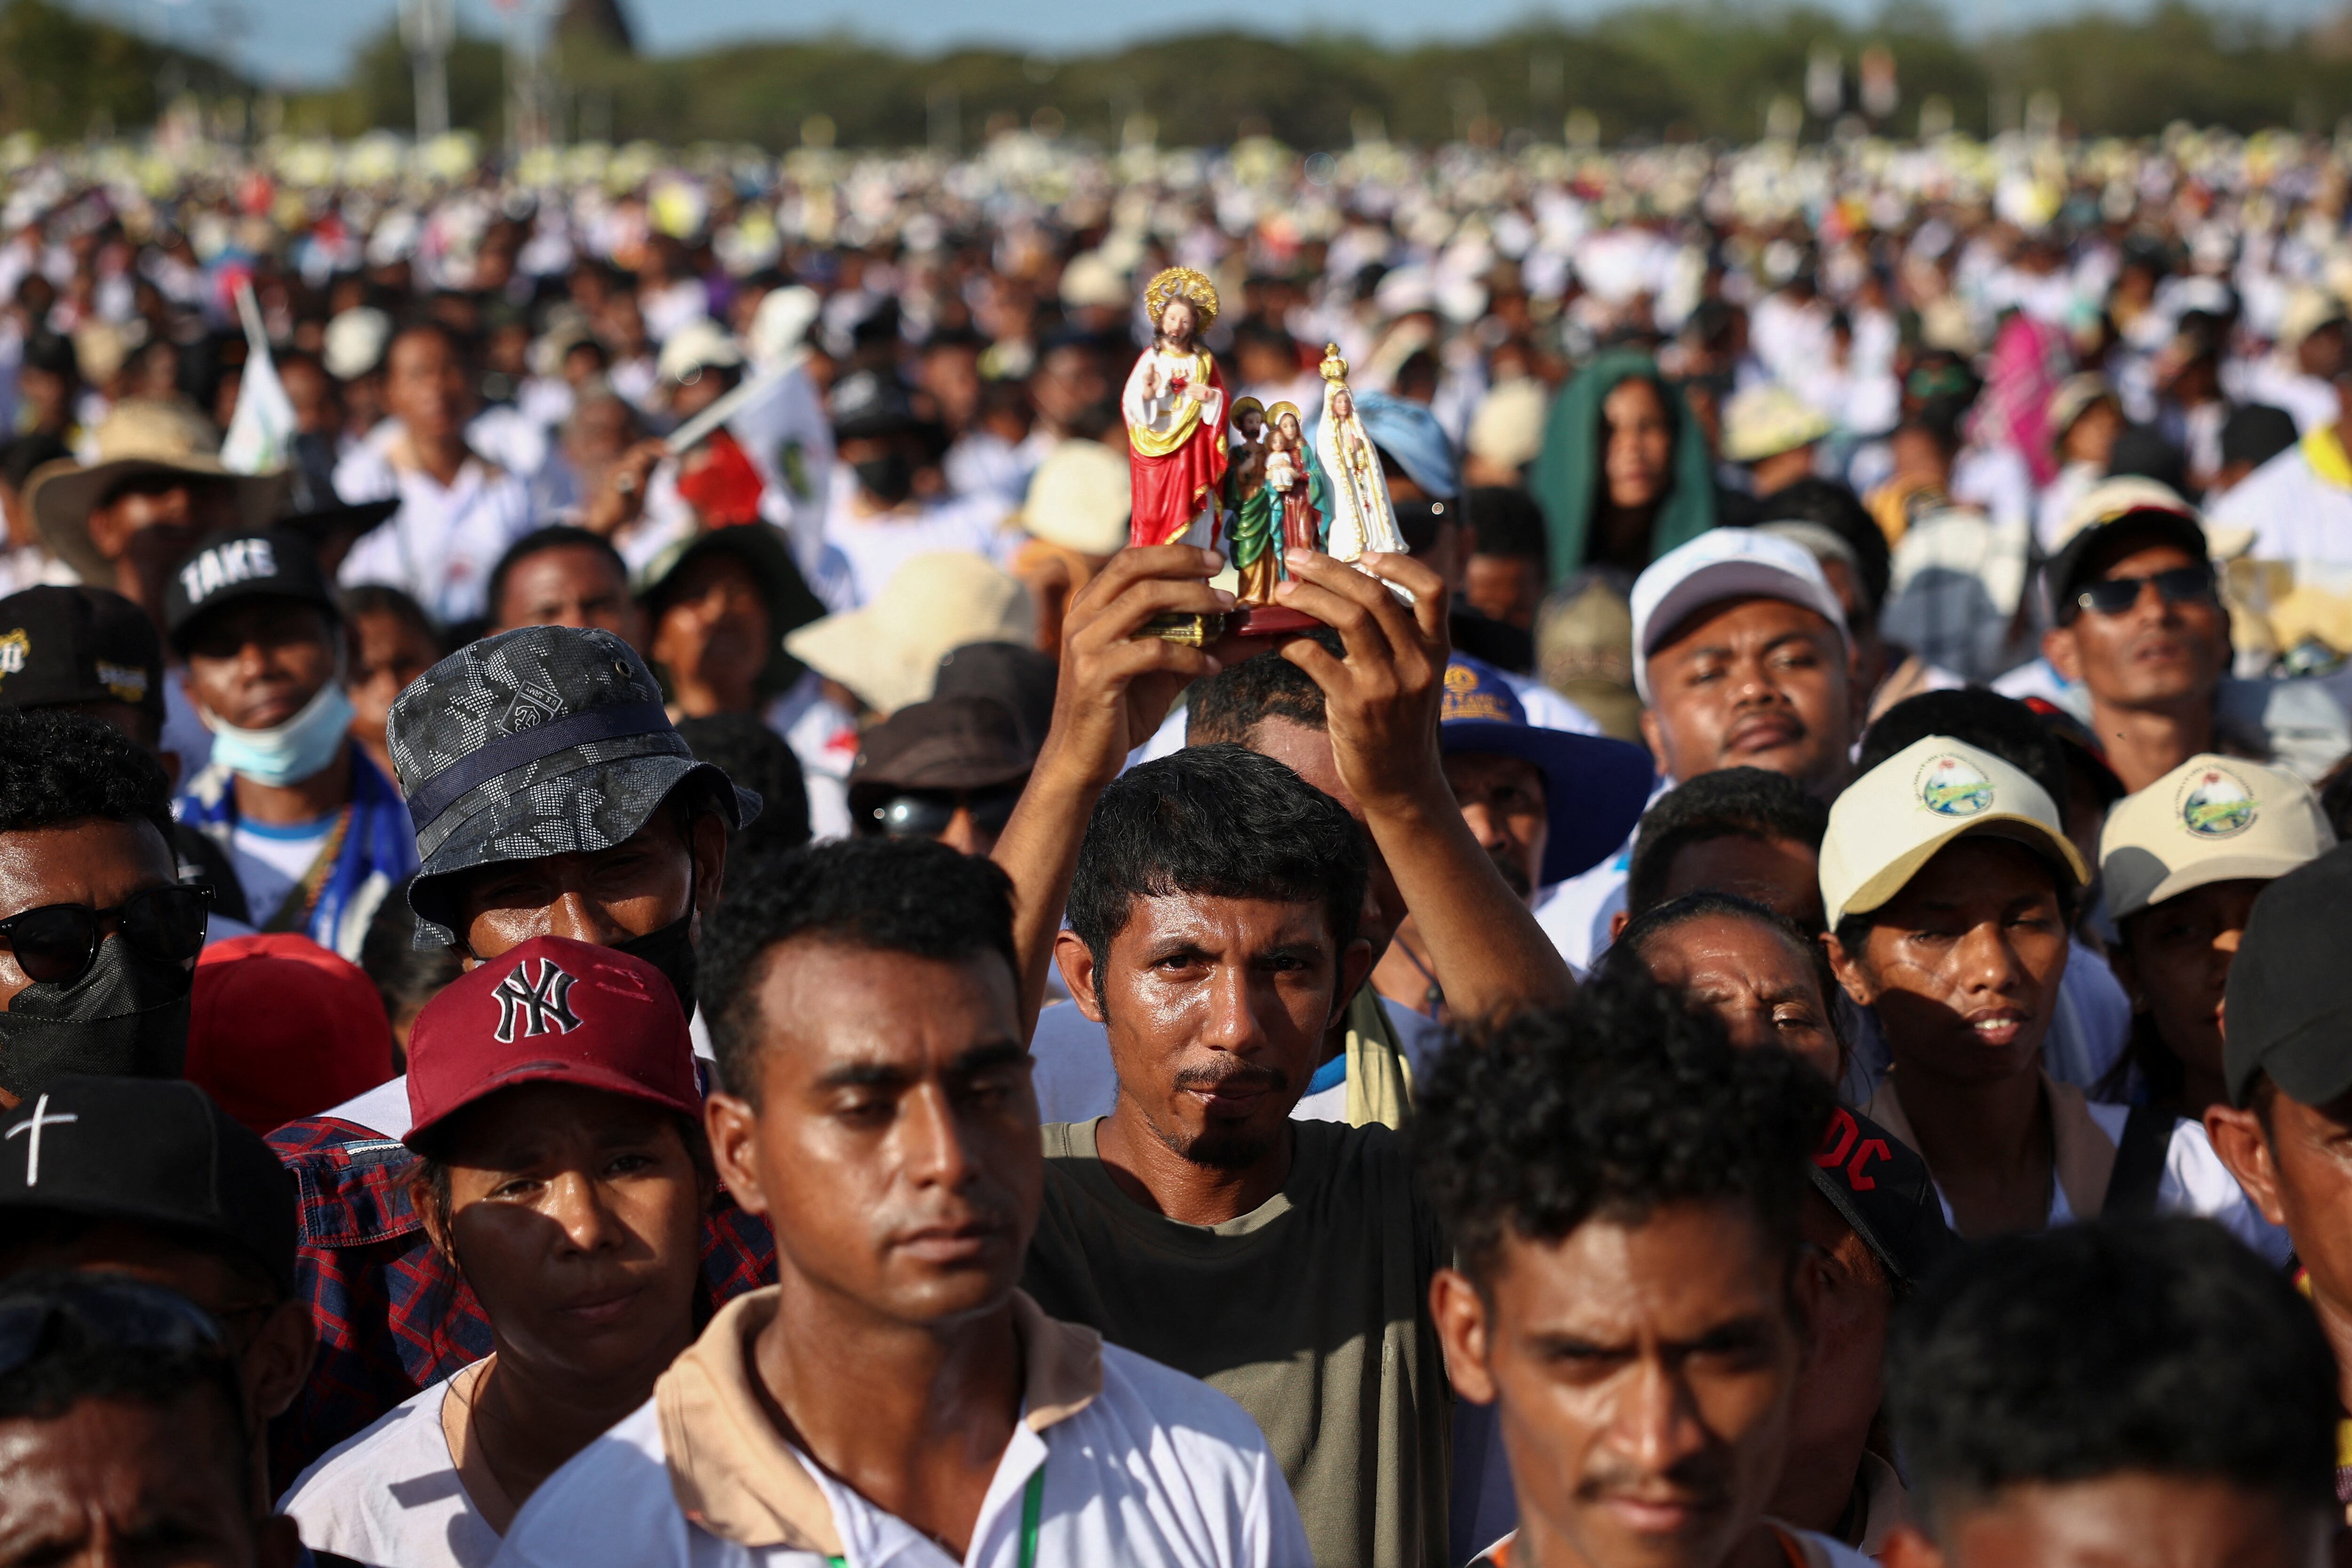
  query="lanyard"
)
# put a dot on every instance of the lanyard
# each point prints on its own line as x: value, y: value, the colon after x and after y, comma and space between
x: 1033, y: 1504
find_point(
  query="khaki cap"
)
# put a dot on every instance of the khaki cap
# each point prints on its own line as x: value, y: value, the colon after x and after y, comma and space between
x: 1766, y: 421
x: 2212, y: 818
x: 1893, y: 820
x: 889, y: 652
x: 141, y: 436
x: 1080, y: 498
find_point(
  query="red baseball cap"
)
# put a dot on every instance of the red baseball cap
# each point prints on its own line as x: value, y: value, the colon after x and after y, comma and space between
x: 550, y: 1011
x: 280, y: 1028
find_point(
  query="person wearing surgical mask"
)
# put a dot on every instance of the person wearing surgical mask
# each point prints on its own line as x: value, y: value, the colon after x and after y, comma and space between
x: 889, y: 501
x: 316, y: 832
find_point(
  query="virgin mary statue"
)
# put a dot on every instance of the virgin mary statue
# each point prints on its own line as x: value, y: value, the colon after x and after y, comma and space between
x: 1360, y: 517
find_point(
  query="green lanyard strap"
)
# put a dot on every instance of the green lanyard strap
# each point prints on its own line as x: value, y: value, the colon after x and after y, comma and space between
x: 1032, y: 1506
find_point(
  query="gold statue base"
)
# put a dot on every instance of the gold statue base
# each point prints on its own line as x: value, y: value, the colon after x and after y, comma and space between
x: 1245, y: 621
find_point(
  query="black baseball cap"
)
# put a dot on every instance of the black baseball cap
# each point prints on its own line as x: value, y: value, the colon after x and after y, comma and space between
x: 2287, y: 1010
x: 277, y: 563
x: 67, y: 646
x: 1879, y: 1187
x: 2143, y: 515
x: 154, y: 1150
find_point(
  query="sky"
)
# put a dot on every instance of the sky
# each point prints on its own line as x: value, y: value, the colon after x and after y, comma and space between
x: 308, y: 42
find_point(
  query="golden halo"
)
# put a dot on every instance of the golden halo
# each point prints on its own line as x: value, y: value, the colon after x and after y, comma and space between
x: 1274, y: 415
x: 1242, y: 405
x: 1182, y: 283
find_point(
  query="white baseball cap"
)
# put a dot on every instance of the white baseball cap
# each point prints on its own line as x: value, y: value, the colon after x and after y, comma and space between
x: 1893, y: 820
x: 2212, y: 818
x: 1720, y: 564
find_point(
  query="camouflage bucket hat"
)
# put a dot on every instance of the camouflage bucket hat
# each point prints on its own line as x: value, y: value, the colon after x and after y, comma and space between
x: 545, y: 740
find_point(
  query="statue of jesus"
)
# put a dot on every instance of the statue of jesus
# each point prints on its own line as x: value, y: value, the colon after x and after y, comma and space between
x: 1175, y: 407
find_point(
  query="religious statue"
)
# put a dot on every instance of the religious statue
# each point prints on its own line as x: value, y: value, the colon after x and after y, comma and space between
x: 1249, y: 507
x: 1360, y: 517
x: 1289, y: 473
x: 1175, y: 408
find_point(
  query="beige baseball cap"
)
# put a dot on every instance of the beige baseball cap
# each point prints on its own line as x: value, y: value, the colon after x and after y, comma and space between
x: 2212, y: 818
x: 1893, y: 820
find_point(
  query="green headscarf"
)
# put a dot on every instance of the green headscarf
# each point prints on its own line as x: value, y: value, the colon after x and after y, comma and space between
x: 1568, y: 471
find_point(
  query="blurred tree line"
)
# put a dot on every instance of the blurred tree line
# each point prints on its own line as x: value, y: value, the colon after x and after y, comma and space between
x: 1702, y: 69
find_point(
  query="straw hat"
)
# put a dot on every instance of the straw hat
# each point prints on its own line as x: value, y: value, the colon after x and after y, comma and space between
x: 889, y: 652
x: 1766, y: 421
x: 141, y: 436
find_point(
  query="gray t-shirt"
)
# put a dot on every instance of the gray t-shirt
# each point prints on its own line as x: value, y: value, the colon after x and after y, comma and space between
x: 1309, y: 1311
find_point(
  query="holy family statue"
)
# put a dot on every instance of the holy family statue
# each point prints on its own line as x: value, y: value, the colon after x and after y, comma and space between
x: 1232, y: 475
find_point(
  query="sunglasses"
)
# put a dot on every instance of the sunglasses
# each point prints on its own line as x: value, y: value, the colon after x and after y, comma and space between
x: 118, y: 1313
x: 55, y: 944
x: 926, y: 813
x: 2116, y: 595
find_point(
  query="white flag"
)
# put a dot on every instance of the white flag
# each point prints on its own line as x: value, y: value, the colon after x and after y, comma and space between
x: 261, y: 432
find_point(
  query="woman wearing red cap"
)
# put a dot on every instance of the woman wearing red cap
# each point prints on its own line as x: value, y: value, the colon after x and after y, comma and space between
x: 564, y: 1172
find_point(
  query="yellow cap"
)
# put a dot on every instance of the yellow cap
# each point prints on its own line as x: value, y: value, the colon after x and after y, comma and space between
x: 2212, y: 818
x: 1893, y: 820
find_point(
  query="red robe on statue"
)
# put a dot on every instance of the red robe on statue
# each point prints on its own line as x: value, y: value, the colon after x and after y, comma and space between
x: 1176, y: 446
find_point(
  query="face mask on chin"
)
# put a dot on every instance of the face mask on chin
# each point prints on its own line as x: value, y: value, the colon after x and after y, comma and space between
x: 290, y: 752
x: 126, y: 1016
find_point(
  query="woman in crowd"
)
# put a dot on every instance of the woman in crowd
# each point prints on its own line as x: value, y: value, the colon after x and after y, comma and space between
x: 1747, y: 965
x: 567, y: 1185
x: 1950, y: 886
x: 1624, y: 474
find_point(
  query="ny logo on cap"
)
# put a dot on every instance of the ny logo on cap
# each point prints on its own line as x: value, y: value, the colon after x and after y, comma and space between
x: 540, y: 1006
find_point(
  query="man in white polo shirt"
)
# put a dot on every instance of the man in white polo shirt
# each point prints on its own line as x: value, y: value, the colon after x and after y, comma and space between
x: 894, y: 1398
x: 1741, y: 658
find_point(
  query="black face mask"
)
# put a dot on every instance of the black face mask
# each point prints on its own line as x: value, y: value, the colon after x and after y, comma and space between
x: 889, y: 480
x: 125, y: 1017
x: 671, y: 950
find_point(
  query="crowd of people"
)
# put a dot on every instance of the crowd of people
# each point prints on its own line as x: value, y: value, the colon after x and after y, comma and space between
x: 621, y: 941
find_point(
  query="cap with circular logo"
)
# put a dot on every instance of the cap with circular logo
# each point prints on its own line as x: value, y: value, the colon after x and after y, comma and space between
x: 2212, y: 818
x: 1893, y: 820
x: 550, y: 1011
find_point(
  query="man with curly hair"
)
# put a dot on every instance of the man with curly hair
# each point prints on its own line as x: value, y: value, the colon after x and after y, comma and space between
x: 98, y: 938
x: 1631, y: 1289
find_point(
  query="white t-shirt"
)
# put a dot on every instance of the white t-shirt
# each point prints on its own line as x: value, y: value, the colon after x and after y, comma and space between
x: 271, y: 857
x: 442, y: 543
x: 1158, y: 1471
x: 391, y: 1496
x: 2296, y: 516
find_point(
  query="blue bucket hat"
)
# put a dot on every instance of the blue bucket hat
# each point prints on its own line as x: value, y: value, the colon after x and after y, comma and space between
x: 1594, y: 787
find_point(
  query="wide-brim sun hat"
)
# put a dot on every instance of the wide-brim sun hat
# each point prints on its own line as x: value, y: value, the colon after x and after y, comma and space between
x: 889, y: 652
x: 139, y: 436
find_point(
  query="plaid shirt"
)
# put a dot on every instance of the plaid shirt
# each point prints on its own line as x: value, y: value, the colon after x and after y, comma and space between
x: 392, y: 1316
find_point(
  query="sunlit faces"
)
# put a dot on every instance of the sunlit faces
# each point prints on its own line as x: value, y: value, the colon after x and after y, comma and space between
x: 2175, y: 961
x: 891, y: 1139
x: 1764, y: 987
x: 1216, y: 1011
x: 1963, y: 966
x: 576, y: 1217
x: 2157, y: 651
x: 1502, y: 800
x: 603, y: 896
x: 256, y: 662
x: 2136, y: 1517
x: 1644, y: 1370
x: 1757, y: 683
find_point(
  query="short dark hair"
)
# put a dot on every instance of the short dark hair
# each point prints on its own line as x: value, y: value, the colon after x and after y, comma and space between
x: 406, y: 977
x: 2156, y: 1345
x: 1983, y: 719
x: 1836, y: 507
x: 1220, y: 820
x: 556, y: 536
x: 383, y: 598
x: 1751, y: 803
x: 890, y: 896
x: 1620, y: 1103
x: 1632, y: 945
x: 1506, y: 521
x: 1229, y: 705
x: 57, y: 766
x: 742, y: 746
x: 79, y: 1356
